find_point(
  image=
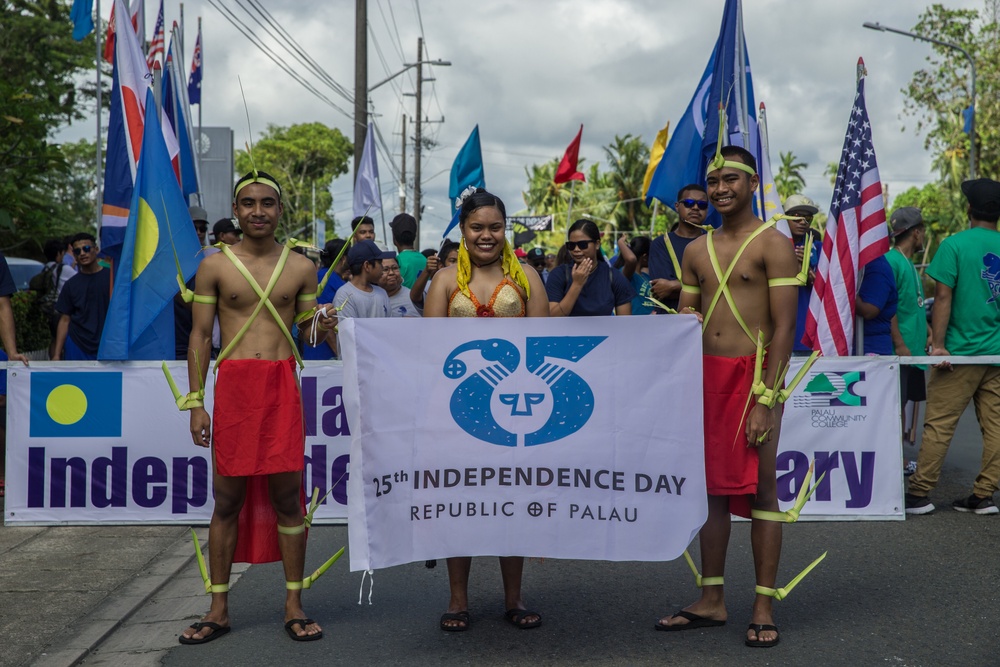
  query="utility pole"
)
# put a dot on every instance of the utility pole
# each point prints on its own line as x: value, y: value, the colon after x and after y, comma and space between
x: 360, y: 80
x: 402, y: 172
x: 417, y: 139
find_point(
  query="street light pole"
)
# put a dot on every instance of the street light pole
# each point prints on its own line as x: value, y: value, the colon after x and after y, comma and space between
x: 972, y: 70
x: 416, y: 145
x: 360, y: 80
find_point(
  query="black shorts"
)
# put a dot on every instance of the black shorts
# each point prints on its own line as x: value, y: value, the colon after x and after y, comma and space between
x: 912, y: 384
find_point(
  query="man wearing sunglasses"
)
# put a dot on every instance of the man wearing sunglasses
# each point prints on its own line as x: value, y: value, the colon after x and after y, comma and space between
x: 82, y: 304
x: 664, y: 272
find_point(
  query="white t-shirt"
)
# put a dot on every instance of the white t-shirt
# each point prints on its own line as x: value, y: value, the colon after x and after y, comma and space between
x: 358, y: 303
x: 65, y: 274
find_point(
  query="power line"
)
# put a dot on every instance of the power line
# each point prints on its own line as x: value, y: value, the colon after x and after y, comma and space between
x: 250, y: 35
x: 296, y: 49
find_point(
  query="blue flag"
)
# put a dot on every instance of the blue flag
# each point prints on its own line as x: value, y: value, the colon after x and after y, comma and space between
x: 194, y: 81
x: 83, y: 20
x: 694, y: 142
x: 467, y: 170
x: 366, y: 188
x: 140, y: 320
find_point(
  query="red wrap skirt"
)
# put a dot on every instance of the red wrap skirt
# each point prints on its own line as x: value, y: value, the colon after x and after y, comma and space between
x: 258, y: 431
x: 730, y: 464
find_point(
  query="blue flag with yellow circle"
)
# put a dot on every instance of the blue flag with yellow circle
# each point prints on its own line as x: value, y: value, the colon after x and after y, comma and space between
x: 140, y: 321
x: 75, y: 405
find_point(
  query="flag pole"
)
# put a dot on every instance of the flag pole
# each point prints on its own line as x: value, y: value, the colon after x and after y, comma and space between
x: 569, y: 211
x: 652, y: 220
x: 741, y: 59
x: 100, y: 175
x: 201, y: 55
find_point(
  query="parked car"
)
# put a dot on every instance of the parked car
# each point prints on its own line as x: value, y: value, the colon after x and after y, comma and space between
x: 23, y: 270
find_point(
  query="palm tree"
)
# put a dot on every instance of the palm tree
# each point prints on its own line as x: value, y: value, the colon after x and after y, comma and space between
x: 628, y: 157
x: 789, y: 179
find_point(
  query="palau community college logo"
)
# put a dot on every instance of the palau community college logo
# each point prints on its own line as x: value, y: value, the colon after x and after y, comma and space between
x: 539, y: 404
x: 831, y: 389
x: 75, y: 405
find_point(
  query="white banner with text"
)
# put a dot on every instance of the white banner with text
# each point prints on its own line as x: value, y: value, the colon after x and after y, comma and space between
x: 96, y: 442
x: 564, y: 438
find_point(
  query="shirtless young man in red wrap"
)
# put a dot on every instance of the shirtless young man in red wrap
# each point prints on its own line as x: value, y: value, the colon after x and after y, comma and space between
x: 741, y: 433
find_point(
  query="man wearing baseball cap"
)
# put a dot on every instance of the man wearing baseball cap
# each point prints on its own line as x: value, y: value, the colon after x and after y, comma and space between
x: 911, y: 332
x: 224, y: 230
x: 536, y: 258
x: 362, y: 297
x: 804, y: 241
x: 965, y: 322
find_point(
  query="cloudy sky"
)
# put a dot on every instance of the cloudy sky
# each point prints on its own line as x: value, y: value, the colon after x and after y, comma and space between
x: 529, y: 72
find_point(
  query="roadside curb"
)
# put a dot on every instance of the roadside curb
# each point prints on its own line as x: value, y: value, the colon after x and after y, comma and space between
x: 90, y: 631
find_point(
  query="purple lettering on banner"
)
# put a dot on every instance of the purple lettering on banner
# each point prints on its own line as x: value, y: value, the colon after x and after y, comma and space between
x: 181, y: 499
x: 78, y: 483
x: 335, y: 420
x: 340, y: 475
x: 149, y: 482
x: 108, y: 479
x: 36, y: 477
x: 790, y: 483
x: 859, y: 483
x: 826, y: 462
x: 309, y: 403
x: 314, y: 473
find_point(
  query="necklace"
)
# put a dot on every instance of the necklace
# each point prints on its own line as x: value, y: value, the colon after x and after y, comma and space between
x: 479, y: 266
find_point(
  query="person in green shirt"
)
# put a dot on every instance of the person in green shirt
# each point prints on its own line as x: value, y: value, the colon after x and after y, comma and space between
x: 965, y: 322
x: 404, y: 236
x: 910, y: 332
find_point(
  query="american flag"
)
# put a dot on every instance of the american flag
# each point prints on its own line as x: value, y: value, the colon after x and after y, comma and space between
x: 856, y: 234
x: 157, y: 46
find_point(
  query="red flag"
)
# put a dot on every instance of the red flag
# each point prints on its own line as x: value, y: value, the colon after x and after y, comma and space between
x: 109, y: 38
x: 567, y: 167
x: 856, y: 234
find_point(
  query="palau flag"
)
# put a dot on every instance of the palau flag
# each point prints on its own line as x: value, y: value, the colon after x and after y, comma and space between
x: 140, y: 321
x: 695, y: 138
x: 75, y: 405
x: 467, y: 170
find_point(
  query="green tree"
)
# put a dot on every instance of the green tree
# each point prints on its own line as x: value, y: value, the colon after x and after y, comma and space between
x: 628, y: 158
x: 938, y: 94
x: 301, y: 156
x: 40, y: 68
x: 789, y: 179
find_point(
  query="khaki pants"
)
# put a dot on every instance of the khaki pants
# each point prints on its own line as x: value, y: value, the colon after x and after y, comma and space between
x: 948, y: 394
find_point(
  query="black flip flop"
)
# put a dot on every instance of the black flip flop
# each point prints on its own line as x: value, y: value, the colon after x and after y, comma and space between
x: 694, y: 621
x: 460, y: 616
x: 217, y: 631
x: 515, y: 616
x: 757, y: 629
x: 303, y: 622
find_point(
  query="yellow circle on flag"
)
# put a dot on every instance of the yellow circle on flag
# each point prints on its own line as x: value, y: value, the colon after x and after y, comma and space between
x: 66, y: 404
x: 147, y: 237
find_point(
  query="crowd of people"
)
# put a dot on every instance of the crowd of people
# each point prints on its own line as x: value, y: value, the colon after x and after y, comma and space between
x: 766, y: 281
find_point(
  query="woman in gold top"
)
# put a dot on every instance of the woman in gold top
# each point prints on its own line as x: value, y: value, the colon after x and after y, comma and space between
x: 487, y: 281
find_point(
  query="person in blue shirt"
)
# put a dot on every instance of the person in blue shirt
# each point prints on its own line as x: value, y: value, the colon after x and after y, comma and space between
x: 633, y: 261
x: 666, y: 252
x: 803, y: 209
x: 876, y: 304
x: 9, y: 339
x: 588, y: 286
x: 325, y: 350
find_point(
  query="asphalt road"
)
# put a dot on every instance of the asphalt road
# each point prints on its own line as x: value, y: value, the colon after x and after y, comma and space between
x: 920, y: 593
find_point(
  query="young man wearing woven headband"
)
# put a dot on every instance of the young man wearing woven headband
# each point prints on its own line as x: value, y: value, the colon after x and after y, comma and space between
x: 258, y: 441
